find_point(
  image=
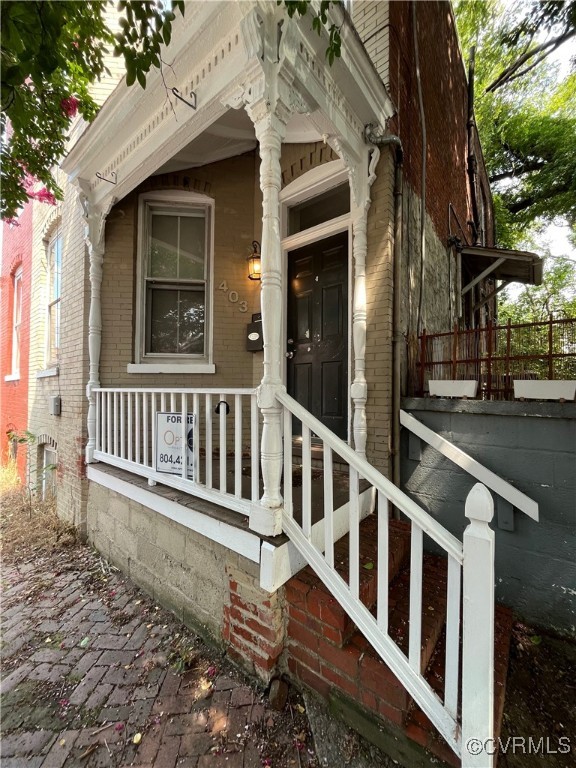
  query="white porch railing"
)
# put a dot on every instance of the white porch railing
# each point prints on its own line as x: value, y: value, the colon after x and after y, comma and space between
x: 226, y: 436
x: 470, y: 561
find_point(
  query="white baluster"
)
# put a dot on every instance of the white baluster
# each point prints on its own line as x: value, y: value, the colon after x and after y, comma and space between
x: 130, y: 427
x: 98, y: 400
x: 328, y: 472
x: 145, y: 429
x: 452, y: 637
x: 415, y: 628
x: 122, y: 427
x: 383, y: 561
x: 238, y: 446
x: 138, y: 414
x: 255, y: 449
x: 222, y: 414
x: 208, y: 407
x: 354, y: 534
x: 184, y: 435
x: 196, y: 436
x: 306, y: 482
x: 288, y: 496
x: 109, y: 422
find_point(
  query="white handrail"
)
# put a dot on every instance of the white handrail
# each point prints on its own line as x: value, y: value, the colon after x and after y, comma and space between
x: 400, y: 500
x: 479, y: 471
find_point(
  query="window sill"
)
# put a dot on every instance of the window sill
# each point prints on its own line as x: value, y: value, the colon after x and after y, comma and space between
x: 171, y: 368
x: 48, y: 372
x: 12, y: 377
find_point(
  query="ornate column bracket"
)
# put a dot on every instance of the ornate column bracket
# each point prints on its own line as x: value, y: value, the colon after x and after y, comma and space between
x: 362, y: 177
x: 95, y: 220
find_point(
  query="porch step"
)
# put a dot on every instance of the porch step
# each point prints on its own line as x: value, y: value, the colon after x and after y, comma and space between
x: 418, y: 726
x: 308, y: 598
x: 327, y: 653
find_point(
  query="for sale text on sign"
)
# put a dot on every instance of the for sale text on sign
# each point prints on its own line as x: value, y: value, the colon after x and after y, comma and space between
x: 169, y: 444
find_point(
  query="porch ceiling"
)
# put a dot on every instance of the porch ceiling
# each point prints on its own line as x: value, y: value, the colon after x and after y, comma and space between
x: 219, y: 49
x: 231, y: 135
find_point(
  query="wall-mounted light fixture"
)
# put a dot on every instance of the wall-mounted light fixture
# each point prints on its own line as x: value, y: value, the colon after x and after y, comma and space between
x: 254, y: 262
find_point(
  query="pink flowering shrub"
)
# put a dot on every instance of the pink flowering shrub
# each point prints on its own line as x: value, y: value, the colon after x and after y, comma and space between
x: 69, y: 106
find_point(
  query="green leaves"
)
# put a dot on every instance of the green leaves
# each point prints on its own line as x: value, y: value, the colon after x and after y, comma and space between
x: 319, y: 23
x: 52, y: 51
x: 527, y: 124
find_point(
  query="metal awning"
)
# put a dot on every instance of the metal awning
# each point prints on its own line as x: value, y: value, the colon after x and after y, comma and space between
x: 501, y: 264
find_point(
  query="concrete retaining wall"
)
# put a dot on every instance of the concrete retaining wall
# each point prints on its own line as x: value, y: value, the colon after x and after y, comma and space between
x: 533, y: 447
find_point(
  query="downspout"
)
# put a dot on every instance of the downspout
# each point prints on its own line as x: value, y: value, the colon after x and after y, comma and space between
x: 390, y: 140
x: 423, y: 183
x: 471, y: 124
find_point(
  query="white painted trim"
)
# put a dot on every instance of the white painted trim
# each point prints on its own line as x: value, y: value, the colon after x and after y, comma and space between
x: 557, y: 389
x: 171, y: 368
x: 453, y: 387
x: 417, y: 686
x: 55, y: 371
x: 168, y: 197
x: 309, y: 185
x: 278, y: 564
x: 235, y: 539
x: 319, y: 232
x: 12, y: 377
x: 242, y: 506
x: 404, y: 503
x: 470, y: 465
x: 315, y: 181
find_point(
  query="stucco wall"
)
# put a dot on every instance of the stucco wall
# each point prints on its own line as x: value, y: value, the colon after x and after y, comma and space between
x: 533, y: 447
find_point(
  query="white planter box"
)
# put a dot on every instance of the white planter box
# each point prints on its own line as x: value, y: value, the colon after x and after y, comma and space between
x: 452, y: 388
x: 544, y: 390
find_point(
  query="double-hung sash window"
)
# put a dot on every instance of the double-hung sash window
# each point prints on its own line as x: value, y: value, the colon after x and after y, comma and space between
x: 16, y: 320
x: 175, y: 266
x: 53, y: 305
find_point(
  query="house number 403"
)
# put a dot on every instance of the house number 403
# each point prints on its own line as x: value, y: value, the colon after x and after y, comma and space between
x: 233, y: 297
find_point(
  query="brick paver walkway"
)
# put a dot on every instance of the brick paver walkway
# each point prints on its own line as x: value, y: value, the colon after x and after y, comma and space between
x: 90, y: 677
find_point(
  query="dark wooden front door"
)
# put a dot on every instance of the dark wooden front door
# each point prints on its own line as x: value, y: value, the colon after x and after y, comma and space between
x: 318, y: 330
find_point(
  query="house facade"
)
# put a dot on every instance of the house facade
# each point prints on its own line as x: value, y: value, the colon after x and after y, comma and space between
x: 15, y: 286
x: 250, y: 248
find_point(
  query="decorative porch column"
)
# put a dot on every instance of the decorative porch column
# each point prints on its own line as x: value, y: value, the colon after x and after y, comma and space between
x: 360, y: 183
x: 94, y: 239
x: 270, y: 127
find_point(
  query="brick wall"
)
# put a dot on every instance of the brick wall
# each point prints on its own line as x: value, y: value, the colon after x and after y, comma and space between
x: 206, y: 585
x: 16, y: 253
x: 230, y: 183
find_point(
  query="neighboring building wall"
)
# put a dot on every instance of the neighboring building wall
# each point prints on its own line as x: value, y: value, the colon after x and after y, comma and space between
x: 16, y: 254
x: 67, y: 432
x: 533, y: 447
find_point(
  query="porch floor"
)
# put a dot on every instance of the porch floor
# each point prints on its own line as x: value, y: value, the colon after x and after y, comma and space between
x: 235, y: 519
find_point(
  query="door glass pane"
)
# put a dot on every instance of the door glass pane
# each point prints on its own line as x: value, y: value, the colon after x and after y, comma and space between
x: 192, y: 247
x: 310, y: 213
x: 164, y: 246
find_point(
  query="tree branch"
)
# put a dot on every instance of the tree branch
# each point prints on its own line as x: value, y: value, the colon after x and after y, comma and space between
x: 506, y: 75
x: 526, y: 167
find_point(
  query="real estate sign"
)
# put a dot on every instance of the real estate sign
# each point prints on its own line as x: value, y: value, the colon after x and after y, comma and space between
x: 169, y: 444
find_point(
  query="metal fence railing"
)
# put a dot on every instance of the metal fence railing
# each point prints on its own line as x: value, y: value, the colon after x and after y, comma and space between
x: 496, y: 355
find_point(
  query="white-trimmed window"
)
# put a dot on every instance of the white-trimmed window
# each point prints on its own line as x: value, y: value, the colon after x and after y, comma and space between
x: 54, y: 289
x: 16, y: 321
x: 175, y: 266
